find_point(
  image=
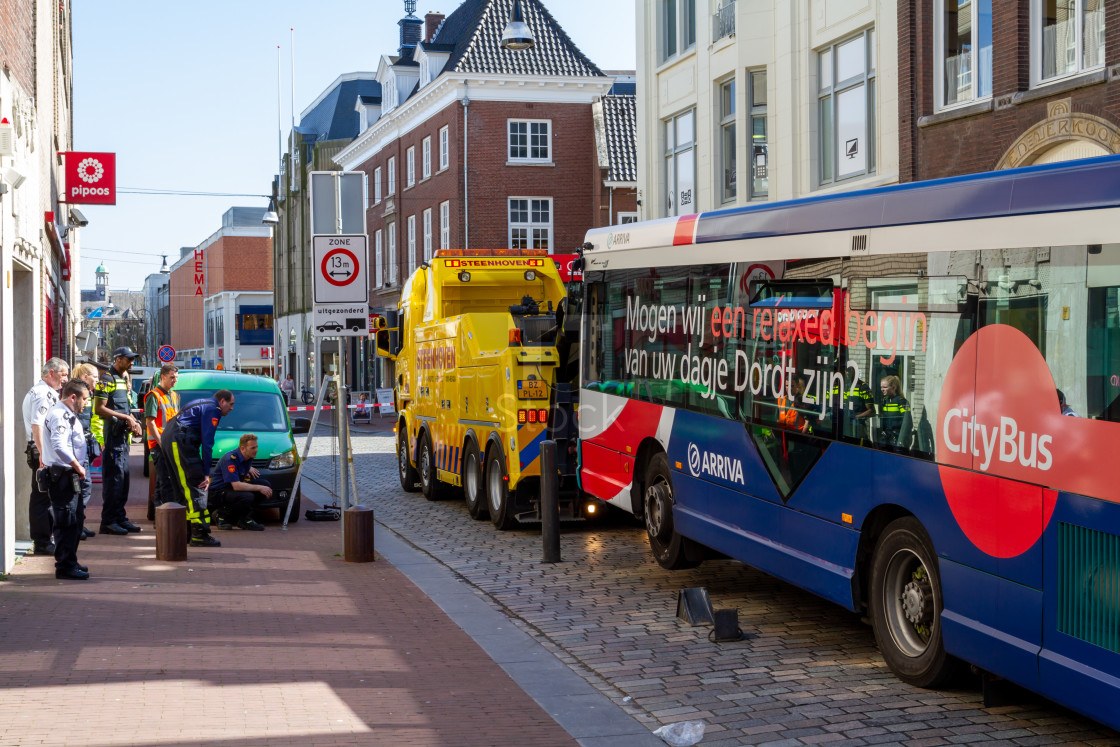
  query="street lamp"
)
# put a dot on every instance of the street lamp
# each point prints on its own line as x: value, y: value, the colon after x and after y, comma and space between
x: 517, y: 35
x: 270, y: 217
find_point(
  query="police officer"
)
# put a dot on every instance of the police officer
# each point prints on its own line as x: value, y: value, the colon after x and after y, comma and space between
x: 87, y: 372
x: 112, y: 402
x: 64, y: 453
x: 234, y: 485
x: 160, y: 405
x: 36, y: 404
x: 189, y: 441
x: 896, y: 425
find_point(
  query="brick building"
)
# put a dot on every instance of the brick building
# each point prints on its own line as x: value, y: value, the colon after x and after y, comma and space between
x: 221, y: 297
x: 473, y: 146
x: 992, y: 84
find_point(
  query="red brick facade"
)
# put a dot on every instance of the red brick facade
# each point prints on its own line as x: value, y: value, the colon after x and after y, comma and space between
x: 935, y: 144
x: 17, y: 41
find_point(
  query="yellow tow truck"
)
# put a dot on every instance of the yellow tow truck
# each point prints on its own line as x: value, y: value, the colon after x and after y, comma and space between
x: 486, y: 366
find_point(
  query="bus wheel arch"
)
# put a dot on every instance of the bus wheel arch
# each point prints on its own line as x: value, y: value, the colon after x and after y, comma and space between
x: 669, y: 548
x: 873, y: 525
x: 647, y: 450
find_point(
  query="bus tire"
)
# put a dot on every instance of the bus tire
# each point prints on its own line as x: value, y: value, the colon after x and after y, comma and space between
x: 670, y: 550
x: 474, y: 491
x: 497, y: 490
x: 906, y: 605
x: 426, y: 466
x: 405, y: 471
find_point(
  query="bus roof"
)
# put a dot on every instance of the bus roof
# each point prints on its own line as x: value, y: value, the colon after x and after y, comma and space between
x: 1066, y: 186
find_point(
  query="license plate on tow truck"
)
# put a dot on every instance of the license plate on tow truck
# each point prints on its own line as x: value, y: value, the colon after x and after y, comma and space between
x: 531, y: 389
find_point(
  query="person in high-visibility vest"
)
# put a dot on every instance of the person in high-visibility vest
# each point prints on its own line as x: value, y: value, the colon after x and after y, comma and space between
x: 790, y: 405
x: 160, y: 405
x: 896, y: 425
x: 112, y: 402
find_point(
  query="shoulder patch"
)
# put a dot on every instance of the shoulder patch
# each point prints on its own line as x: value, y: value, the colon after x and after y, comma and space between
x: 232, y: 469
x: 214, y: 421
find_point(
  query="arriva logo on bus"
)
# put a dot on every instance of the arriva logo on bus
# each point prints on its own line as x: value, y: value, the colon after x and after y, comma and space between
x: 714, y: 465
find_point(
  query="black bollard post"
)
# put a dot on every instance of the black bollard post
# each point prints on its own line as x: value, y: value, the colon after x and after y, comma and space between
x: 550, y: 503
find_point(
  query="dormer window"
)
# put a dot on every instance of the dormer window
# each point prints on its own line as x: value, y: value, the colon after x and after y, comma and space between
x: 425, y: 72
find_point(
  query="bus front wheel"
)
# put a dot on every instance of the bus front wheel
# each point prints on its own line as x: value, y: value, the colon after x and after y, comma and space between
x: 669, y: 549
x: 906, y: 605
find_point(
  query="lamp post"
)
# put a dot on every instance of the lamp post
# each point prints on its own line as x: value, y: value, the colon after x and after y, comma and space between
x: 517, y: 35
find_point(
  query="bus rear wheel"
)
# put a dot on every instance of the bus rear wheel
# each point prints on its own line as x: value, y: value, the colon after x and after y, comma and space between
x: 669, y: 549
x: 473, y: 491
x: 405, y: 471
x: 426, y: 464
x: 497, y: 490
x: 906, y: 605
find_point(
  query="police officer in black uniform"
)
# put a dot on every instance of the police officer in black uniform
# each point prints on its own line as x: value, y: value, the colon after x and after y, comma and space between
x: 113, y: 404
x: 64, y: 454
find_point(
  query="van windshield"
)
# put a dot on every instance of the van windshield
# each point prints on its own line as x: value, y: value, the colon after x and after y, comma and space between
x: 253, y: 412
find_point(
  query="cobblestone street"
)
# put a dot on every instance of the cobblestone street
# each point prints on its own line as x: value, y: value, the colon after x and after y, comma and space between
x: 808, y: 673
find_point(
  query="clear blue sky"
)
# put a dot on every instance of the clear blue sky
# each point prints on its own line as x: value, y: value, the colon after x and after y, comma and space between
x: 185, y: 95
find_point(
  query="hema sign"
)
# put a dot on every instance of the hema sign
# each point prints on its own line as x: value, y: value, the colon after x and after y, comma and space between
x: 91, y: 178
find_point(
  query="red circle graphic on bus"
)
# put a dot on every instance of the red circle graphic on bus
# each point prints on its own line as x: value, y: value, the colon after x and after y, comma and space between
x: 999, y: 440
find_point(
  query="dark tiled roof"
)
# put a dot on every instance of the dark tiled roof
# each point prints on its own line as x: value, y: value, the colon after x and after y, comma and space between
x: 620, y: 122
x: 475, y: 31
x: 334, y: 117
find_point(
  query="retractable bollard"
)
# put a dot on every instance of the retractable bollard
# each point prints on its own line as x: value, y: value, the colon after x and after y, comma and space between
x: 550, y: 503
x: 358, y: 528
x: 171, y: 532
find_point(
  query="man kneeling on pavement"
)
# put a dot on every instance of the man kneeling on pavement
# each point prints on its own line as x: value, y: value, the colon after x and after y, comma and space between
x: 234, y: 485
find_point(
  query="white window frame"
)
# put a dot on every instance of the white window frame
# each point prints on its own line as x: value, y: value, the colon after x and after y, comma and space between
x: 379, y: 277
x: 975, y: 63
x: 1079, y: 68
x: 444, y: 145
x: 624, y: 217
x: 829, y: 92
x: 531, y: 226
x: 757, y: 111
x: 427, y: 234
x: 392, y: 169
x: 678, y: 203
x: 410, y: 166
x: 391, y: 229
x: 527, y: 147
x: 726, y: 124
x: 411, y: 244
x: 679, y: 37
x: 377, y: 186
x: 445, y: 224
x: 426, y: 157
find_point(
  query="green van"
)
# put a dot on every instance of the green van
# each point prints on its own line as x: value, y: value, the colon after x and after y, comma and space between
x: 259, y: 408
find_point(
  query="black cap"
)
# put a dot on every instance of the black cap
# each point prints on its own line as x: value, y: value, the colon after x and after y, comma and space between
x: 125, y: 352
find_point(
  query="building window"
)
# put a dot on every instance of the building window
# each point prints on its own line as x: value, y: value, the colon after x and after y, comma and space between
x: 444, y: 156
x: 410, y: 166
x: 728, y: 178
x: 530, y: 223
x: 411, y: 244
x: 964, y: 50
x: 846, y: 106
x: 392, y: 231
x: 678, y: 26
x: 426, y: 157
x: 379, y: 278
x: 377, y: 185
x: 1069, y: 37
x: 529, y: 140
x: 428, y: 235
x: 759, y: 150
x: 680, y: 163
x: 445, y: 224
x: 624, y: 218
x: 392, y: 169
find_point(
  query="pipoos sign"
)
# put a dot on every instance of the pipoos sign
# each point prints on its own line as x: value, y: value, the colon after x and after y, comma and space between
x: 91, y: 178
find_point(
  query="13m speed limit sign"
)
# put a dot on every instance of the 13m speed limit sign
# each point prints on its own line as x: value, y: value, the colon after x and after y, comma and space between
x: 339, y: 264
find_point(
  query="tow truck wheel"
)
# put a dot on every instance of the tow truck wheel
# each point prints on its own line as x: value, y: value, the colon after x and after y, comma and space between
x: 497, y: 491
x: 472, y: 482
x: 669, y: 549
x: 426, y: 464
x: 405, y: 470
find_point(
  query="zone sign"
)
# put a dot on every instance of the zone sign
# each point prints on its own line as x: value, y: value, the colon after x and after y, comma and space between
x: 339, y: 264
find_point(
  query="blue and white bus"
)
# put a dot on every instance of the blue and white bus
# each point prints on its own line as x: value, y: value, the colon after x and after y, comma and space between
x: 904, y: 399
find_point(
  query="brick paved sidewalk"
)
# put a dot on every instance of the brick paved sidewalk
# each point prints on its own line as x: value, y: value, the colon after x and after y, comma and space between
x: 270, y: 639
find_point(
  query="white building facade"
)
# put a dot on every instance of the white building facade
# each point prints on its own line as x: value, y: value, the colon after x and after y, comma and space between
x: 752, y: 100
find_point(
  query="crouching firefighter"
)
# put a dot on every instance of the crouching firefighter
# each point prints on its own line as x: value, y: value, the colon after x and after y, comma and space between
x: 187, y: 449
x: 64, y: 454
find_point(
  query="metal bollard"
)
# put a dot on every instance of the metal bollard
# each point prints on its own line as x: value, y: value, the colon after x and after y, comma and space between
x: 171, y: 532
x: 550, y: 503
x: 357, y: 523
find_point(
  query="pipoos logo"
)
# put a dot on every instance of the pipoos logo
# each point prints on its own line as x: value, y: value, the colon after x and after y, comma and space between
x: 91, y: 178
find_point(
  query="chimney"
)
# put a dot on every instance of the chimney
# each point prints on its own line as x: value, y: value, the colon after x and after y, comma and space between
x: 411, y: 29
x: 431, y: 24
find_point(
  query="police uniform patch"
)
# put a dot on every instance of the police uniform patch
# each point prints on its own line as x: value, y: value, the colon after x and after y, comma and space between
x: 42, y: 409
x: 214, y: 421
x: 231, y: 469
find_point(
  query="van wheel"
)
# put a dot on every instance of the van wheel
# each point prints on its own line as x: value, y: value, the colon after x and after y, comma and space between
x: 405, y: 471
x: 473, y: 490
x: 426, y: 465
x: 497, y: 490
x: 906, y: 605
x: 670, y: 550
